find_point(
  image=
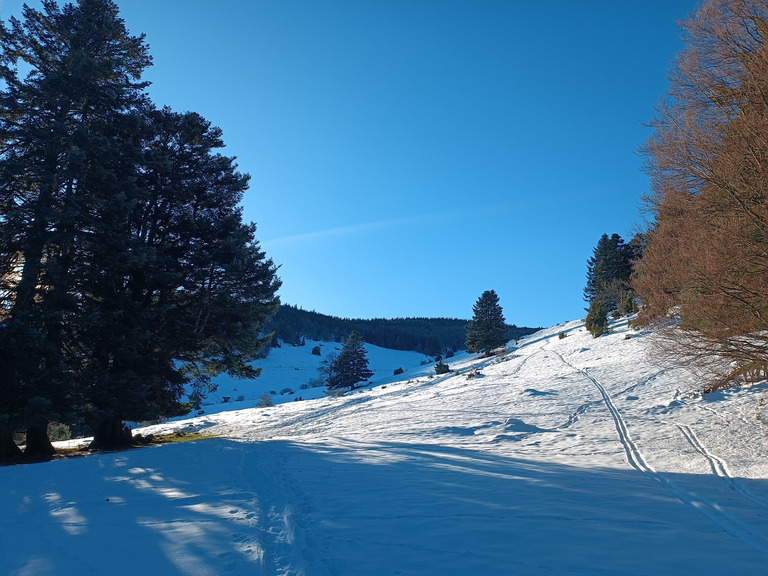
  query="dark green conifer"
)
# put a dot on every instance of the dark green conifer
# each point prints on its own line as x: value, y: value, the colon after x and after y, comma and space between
x: 596, y: 322
x: 608, y: 271
x: 126, y: 272
x: 69, y: 94
x: 487, y: 330
x: 351, y: 366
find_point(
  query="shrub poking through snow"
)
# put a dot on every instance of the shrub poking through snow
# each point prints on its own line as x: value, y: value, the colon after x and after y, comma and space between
x: 264, y: 401
x: 441, y: 368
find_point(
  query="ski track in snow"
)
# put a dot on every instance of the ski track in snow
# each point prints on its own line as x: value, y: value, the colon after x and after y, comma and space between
x: 719, y: 467
x: 633, y: 455
x: 733, y: 525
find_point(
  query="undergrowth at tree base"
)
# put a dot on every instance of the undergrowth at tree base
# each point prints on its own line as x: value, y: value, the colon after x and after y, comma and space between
x: 138, y: 441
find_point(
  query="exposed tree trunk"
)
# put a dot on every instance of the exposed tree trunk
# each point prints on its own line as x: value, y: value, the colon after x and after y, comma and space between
x: 8, y: 449
x: 38, y: 443
x: 111, y: 433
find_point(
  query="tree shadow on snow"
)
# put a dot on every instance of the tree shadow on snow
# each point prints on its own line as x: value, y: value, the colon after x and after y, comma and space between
x: 358, y: 507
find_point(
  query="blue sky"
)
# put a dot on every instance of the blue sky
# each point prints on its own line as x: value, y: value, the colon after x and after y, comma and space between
x: 407, y: 155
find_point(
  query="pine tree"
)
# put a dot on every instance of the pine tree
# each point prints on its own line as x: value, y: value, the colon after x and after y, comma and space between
x: 351, y: 366
x: 198, y: 287
x: 487, y: 330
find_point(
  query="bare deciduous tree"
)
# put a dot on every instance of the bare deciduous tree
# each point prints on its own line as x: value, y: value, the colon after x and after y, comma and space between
x: 706, y: 263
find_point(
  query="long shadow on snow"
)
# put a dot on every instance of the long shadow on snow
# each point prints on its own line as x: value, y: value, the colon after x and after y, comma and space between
x: 357, y: 507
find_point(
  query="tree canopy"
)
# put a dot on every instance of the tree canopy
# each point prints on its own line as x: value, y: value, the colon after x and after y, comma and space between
x: 431, y: 336
x: 126, y: 272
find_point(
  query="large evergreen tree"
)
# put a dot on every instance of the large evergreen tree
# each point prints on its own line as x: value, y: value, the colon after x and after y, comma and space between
x: 487, y: 330
x: 66, y: 130
x: 351, y: 366
x: 126, y: 271
x: 608, y: 271
x: 197, y: 285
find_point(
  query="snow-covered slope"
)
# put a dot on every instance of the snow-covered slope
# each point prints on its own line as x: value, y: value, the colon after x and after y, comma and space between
x: 287, y: 372
x: 567, y: 455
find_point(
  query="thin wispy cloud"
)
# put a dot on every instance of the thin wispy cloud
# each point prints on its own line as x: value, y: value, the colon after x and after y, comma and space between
x: 350, y: 230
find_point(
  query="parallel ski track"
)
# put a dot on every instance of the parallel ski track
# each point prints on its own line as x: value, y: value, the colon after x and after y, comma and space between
x: 734, y: 526
x: 718, y: 466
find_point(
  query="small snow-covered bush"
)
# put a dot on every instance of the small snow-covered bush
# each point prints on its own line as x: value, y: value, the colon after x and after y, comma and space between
x: 398, y: 371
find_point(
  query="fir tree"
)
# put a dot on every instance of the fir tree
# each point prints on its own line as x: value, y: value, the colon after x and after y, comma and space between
x: 351, y: 366
x: 487, y: 330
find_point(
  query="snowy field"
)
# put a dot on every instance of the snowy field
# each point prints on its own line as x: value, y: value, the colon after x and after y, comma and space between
x: 564, y: 456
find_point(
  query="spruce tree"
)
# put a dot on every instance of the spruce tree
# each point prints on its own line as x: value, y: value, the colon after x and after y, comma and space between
x: 487, y: 330
x: 351, y: 366
x: 609, y: 270
x: 66, y: 130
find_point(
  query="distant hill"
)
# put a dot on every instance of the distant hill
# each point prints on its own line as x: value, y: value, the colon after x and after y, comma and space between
x: 429, y: 336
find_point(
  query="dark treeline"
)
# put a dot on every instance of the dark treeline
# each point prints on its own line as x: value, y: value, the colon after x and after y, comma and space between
x: 430, y: 336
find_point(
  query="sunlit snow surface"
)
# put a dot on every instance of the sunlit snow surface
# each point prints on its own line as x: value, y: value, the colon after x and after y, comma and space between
x: 564, y: 456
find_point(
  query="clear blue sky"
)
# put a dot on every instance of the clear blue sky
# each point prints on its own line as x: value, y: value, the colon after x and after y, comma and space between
x: 407, y: 155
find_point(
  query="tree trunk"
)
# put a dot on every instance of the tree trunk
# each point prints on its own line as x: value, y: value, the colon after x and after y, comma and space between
x: 110, y: 433
x: 38, y: 444
x: 8, y: 449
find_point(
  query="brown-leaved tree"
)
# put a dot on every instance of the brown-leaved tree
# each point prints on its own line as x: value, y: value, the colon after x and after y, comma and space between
x: 706, y: 263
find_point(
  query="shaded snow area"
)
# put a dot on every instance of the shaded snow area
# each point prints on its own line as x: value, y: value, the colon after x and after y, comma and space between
x: 566, y: 455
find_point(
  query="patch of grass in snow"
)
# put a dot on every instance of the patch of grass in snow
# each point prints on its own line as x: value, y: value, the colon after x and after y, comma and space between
x: 179, y: 436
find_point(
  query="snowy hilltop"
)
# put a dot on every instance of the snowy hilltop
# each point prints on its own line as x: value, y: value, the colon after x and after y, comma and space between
x: 565, y: 454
